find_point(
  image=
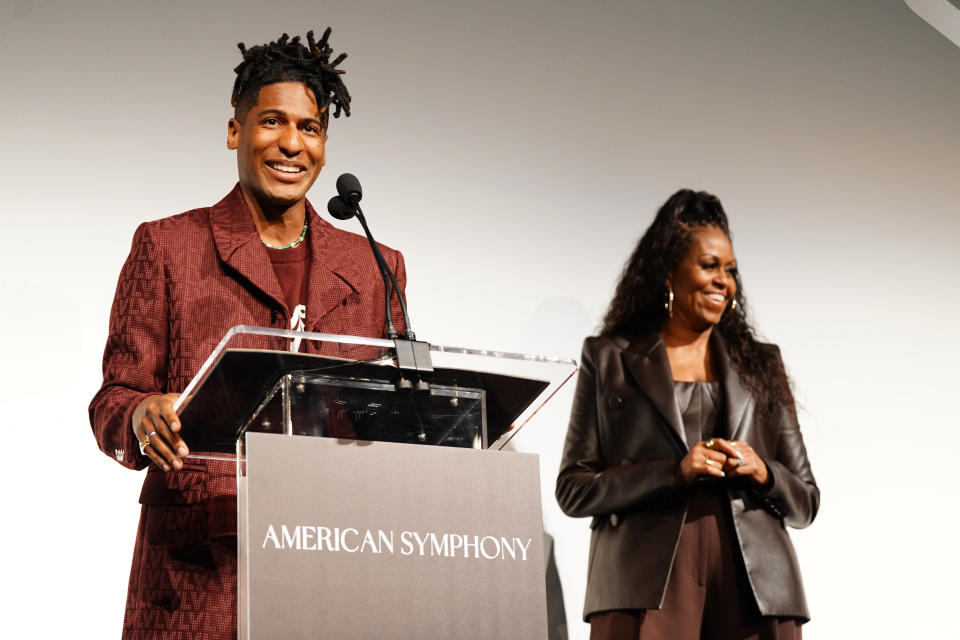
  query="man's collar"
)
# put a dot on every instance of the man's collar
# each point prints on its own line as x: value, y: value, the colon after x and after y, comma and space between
x: 334, y: 273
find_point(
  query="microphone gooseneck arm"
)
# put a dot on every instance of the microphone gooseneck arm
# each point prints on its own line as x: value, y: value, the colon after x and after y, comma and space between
x: 340, y: 210
x: 385, y: 269
x: 346, y: 205
x: 412, y: 355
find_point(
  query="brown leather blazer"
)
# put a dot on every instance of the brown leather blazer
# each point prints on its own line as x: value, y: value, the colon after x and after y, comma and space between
x: 624, y: 444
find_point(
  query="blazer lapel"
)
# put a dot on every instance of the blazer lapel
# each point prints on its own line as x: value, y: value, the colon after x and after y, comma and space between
x: 334, y: 276
x: 737, y: 396
x: 238, y: 244
x: 646, y: 360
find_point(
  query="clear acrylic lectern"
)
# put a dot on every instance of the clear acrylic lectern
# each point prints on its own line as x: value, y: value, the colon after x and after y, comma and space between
x: 453, y: 398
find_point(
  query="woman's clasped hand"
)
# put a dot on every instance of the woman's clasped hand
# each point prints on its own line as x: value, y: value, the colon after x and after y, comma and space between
x: 719, y: 458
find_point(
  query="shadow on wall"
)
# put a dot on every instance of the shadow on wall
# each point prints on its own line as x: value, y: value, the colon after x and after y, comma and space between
x: 556, y: 612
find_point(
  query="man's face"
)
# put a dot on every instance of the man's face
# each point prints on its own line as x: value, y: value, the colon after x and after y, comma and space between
x: 279, y: 144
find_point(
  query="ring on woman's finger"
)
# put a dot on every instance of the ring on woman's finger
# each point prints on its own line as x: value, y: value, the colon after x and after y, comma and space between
x: 739, y: 458
x: 709, y: 462
x: 709, y: 443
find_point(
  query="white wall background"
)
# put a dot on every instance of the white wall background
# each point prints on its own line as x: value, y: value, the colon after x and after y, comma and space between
x: 515, y: 151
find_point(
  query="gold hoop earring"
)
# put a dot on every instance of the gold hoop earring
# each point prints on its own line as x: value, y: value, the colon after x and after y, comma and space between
x: 733, y: 305
x: 668, y: 305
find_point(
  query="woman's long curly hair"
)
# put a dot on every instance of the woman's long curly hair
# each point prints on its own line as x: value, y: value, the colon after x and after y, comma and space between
x: 638, y: 306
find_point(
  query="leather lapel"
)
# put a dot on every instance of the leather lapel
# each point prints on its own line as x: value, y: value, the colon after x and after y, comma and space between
x: 737, y: 396
x: 238, y: 244
x: 334, y: 276
x: 646, y: 360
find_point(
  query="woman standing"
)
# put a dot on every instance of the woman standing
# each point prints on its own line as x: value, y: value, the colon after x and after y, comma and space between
x: 684, y: 447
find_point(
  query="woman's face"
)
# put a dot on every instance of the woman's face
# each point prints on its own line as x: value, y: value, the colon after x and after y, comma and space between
x: 703, y: 282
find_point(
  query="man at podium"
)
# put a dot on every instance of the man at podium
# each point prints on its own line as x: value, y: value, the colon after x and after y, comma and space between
x: 261, y: 256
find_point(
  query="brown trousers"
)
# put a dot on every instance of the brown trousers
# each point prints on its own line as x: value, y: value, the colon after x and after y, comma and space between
x: 708, y: 596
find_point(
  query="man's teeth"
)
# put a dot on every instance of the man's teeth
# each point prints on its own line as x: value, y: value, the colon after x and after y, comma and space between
x: 286, y: 168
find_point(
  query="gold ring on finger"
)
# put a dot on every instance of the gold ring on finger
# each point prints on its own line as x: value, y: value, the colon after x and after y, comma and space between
x: 709, y: 443
x: 708, y: 462
x: 144, y: 444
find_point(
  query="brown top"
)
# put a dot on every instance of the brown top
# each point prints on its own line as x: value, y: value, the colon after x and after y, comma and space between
x: 700, y: 404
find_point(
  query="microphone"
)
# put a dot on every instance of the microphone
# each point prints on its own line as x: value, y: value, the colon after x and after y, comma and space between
x: 339, y: 209
x: 349, y: 189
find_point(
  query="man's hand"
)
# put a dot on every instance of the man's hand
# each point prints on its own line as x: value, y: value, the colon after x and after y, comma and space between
x: 156, y: 426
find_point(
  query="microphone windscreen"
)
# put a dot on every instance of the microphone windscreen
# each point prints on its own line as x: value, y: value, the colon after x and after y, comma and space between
x: 349, y: 188
x: 339, y: 209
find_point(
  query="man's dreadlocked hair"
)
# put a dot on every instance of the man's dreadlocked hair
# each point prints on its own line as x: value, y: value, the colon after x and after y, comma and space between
x: 637, y: 308
x: 287, y: 60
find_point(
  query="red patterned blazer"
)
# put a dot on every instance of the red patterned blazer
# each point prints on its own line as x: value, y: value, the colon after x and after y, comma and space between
x: 187, y: 280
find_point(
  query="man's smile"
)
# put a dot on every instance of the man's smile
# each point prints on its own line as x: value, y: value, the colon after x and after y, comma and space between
x: 285, y: 167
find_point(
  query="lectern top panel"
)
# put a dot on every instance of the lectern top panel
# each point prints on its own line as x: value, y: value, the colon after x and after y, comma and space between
x: 236, y: 381
x: 236, y: 388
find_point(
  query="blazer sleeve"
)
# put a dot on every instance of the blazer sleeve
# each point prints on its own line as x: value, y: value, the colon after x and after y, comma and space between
x: 793, y: 495
x: 585, y: 485
x: 135, y: 357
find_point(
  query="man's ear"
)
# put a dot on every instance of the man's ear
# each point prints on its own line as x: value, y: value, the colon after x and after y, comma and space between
x: 233, y: 133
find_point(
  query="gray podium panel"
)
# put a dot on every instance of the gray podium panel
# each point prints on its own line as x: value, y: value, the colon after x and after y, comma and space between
x: 352, y: 539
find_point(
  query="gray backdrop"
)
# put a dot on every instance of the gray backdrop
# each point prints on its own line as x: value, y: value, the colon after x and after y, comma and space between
x: 515, y: 151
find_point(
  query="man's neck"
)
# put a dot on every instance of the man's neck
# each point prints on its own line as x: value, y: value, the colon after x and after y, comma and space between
x: 277, y: 225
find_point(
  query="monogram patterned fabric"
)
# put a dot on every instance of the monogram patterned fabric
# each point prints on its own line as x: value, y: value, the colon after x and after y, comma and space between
x: 187, y: 280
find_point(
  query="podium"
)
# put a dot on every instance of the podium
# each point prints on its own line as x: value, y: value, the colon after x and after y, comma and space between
x: 374, y: 497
